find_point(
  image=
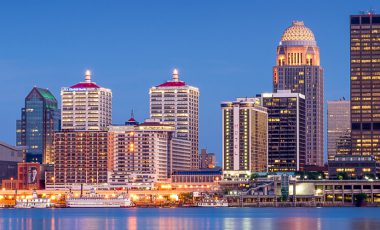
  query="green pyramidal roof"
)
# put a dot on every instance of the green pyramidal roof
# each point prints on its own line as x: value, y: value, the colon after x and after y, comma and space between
x: 45, y: 93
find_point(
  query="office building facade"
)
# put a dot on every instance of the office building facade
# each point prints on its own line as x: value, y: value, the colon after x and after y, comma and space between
x: 338, y: 125
x: 286, y: 130
x: 298, y: 69
x: 80, y: 157
x: 207, y: 160
x: 244, y: 137
x: 365, y: 84
x: 86, y: 106
x: 40, y: 118
x: 144, y: 154
x: 176, y: 103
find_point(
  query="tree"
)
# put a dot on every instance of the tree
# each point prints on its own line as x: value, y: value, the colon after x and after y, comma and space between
x: 342, y: 176
x: 254, y: 176
x: 360, y: 199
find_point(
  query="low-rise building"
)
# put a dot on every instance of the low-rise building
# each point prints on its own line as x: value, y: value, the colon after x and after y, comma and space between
x: 197, y: 176
x: 352, y: 166
x: 29, y: 176
x: 9, y: 157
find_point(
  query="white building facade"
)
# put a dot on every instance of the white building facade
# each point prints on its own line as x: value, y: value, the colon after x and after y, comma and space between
x: 245, y: 138
x: 176, y: 103
x: 145, y: 154
x: 86, y: 106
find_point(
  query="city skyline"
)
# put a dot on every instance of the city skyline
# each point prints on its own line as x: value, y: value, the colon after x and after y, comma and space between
x: 131, y: 90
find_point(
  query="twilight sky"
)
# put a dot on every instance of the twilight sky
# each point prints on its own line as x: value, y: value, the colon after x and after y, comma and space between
x: 226, y: 48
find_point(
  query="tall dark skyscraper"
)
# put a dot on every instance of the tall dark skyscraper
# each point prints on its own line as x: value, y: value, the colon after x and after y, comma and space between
x: 286, y: 130
x: 298, y: 69
x: 365, y: 84
x: 35, y: 130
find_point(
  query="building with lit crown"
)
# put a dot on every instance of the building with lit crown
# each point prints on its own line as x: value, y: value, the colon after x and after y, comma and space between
x: 298, y: 69
x: 286, y: 130
x: 338, y: 126
x: 86, y: 106
x: 244, y: 138
x: 144, y: 154
x: 365, y: 84
x: 177, y: 103
x: 40, y: 118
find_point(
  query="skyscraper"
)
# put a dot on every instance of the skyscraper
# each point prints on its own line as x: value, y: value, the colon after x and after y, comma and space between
x: 176, y: 103
x: 286, y: 130
x: 35, y: 130
x: 338, y: 125
x: 298, y: 69
x: 86, y: 106
x: 365, y: 84
x: 245, y: 135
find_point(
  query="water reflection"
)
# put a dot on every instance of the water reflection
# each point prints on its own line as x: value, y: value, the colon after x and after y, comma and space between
x: 238, y: 218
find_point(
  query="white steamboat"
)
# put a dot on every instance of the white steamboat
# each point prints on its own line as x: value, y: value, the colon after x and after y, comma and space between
x: 94, y: 200
x: 34, y: 202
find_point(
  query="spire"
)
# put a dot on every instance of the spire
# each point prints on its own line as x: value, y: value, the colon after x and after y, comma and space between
x: 87, y: 76
x: 132, y: 120
x: 175, y: 75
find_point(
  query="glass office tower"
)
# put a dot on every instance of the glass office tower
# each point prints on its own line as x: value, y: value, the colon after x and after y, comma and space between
x: 35, y: 130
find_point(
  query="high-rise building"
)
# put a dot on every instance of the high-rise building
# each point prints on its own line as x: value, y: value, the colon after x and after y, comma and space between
x: 206, y: 160
x: 146, y: 153
x: 176, y: 103
x: 365, y: 84
x: 245, y: 137
x: 40, y: 118
x: 298, y: 69
x: 338, y: 124
x: 286, y: 130
x: 80, y: 157
x: 344, y: 144
x: 86, y: 106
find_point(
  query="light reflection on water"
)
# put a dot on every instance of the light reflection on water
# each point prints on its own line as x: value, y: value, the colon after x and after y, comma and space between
x: 199, y: 218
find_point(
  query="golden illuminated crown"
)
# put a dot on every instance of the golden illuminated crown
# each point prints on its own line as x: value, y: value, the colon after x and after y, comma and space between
x: 298, y: 32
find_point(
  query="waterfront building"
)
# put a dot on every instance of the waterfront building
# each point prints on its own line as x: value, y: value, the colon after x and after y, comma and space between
x: 144, y: 154
x: 244, y: 137
x: 338, y: 125
x: 197, y: 176
x: 40, y: 118
x: 9, y: 157
x: 80, y: 157
x: 28, y: 176
x: 206, y: 160
x: 303, y: 193
x: 353, y: 167
x: 177, y: 103
x: 365, y: 84
x: 286, y: 130
x: 298, y: 69
x: 86, y: 106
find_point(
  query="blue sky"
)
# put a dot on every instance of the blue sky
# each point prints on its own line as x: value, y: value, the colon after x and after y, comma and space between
x: 226, y: 48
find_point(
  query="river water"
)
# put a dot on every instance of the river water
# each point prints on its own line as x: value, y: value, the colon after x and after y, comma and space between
x: 191, y: 218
